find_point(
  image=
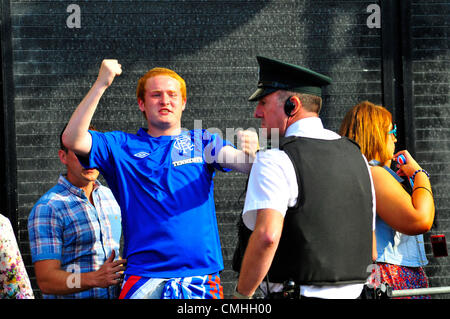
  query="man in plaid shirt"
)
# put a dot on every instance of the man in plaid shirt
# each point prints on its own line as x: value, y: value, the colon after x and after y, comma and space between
x: 74, y: 232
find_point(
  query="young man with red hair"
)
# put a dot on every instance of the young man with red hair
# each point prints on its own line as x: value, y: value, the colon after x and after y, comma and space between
x: 162, y: 178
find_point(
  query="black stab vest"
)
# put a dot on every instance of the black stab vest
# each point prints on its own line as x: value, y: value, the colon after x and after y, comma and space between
x: 327, y: 236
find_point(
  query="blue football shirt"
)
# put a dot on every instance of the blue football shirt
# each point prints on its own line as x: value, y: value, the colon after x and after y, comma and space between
x: 164, y: 187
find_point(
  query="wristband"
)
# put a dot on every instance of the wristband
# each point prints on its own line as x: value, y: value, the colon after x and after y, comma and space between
x: 238, y: 295
x: 418, y: 171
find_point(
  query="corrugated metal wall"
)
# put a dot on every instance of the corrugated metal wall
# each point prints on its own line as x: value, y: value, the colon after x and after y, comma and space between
x: 431, y: 101
x: 213, y: 45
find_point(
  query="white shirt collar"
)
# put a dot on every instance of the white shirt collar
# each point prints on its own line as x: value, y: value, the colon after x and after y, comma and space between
x: 307, y: 127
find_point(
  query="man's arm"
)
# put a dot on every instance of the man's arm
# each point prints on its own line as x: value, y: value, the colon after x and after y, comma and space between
x: 53, y: 280
x: 260, y: 251
x: 76, y: 135
x: 240, y: 160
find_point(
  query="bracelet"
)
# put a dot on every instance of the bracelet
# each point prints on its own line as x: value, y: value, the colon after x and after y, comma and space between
x: 423, y: 188
x: 418, y: 171
x: 238, y: 295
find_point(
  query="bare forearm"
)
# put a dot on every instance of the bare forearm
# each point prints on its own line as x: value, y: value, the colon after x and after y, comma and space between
x: 260, y: 251
x: 54, y: 280
x: 422, y: 199
x: 255, y: 265
x: 240, y: 159
x: 234, y: 159
x: 60, y: 282
x: 408, y: 214
x: 76, y: 135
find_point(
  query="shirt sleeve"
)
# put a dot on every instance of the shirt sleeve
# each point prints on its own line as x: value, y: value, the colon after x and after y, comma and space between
x: 102, y: 151
x: 45, y: 233
x: 214, y: 143
x: 272, y: 184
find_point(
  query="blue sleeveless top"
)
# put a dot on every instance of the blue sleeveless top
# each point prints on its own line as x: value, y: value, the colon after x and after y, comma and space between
x: 394, y: 247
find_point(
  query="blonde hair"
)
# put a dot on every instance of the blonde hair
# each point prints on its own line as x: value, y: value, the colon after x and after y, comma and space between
x: 368, y: 125
x: 140, y: 90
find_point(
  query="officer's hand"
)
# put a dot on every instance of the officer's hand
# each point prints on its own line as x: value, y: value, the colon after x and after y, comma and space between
x: 248, y: 142
x: 108, y: 71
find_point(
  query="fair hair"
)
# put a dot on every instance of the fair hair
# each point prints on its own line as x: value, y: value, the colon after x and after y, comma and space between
x: 368, y: 125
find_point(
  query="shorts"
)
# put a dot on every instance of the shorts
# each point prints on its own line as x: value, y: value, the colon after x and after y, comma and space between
x: 196, y: 287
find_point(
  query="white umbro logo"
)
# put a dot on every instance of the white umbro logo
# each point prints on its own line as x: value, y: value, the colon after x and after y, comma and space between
x: 141, y: 154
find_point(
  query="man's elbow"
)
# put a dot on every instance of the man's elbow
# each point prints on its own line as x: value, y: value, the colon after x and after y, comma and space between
x: 44, y: 285
x: 66, y: 139
x: 80, y: 144
x: 267, y: 240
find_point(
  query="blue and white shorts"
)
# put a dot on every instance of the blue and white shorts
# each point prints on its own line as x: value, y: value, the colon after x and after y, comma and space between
x: 196, y: 287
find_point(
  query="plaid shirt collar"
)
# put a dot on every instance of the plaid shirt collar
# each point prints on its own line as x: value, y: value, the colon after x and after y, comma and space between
x: 73, y: 189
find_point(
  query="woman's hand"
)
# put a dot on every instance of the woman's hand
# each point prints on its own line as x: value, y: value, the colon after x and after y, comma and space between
x: 409, y: 167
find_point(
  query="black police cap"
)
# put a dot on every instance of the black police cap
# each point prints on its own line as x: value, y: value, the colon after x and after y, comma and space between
x: 276, y: 75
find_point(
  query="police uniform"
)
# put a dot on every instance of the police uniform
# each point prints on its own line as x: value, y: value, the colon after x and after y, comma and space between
x: 273, y: 180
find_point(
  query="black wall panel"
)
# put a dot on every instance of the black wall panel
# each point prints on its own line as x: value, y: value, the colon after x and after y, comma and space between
x: 431, y: 100
x: 213, y: 45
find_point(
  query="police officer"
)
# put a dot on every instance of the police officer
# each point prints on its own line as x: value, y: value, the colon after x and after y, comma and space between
x: 309, y: 202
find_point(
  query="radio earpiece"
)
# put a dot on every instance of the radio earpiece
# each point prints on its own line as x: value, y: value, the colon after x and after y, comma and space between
x: 289, y: 106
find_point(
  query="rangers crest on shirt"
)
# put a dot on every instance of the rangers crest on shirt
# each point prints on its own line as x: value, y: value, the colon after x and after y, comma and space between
x: 183, y: 144
x: 184, y: 152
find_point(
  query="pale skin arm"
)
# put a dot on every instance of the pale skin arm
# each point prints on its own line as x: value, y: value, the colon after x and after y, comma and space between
x: 260, y: 251
x: 241, y: 159
x: 76, y: 135
x: 52, y: 279
x: 410, y: 215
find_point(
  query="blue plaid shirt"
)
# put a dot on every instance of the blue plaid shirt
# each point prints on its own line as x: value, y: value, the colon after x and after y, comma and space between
x: 64, y: 225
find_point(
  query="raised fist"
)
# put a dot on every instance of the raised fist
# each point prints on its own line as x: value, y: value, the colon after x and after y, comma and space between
x: 108, y: 71
x: 248, y: 142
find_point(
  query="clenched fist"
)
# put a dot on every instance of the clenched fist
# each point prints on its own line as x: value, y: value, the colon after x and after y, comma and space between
x: 108, y: 71
x: 248, y: 142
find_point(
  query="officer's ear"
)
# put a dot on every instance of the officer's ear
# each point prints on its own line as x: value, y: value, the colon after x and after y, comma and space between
x: 297, y: 104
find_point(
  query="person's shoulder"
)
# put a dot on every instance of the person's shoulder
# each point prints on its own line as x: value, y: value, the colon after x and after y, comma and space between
x: 330, y: 135
x: 271, y: 153
x: 53, y: 193
x: 111, y: 133
x: 114, y: 136
x: 105, y: 190
x: 376, y: 169
x: 381, y: 176
x: 271, y: 158
x: 54, y: 197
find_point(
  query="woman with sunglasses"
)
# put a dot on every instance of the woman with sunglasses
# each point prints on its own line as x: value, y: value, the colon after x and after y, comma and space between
x: 405, y: 206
